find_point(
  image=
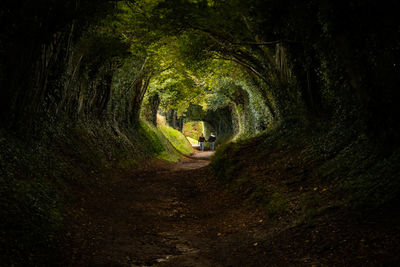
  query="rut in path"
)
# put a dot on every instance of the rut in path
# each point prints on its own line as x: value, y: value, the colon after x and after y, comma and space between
x: 176, y: 215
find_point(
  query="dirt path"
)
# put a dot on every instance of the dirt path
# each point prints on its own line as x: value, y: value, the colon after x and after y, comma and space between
x: 179, y: 215
x: 176, y: 215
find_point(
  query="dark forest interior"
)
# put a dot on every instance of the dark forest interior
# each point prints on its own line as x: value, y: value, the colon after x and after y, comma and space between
x: 301, y: 95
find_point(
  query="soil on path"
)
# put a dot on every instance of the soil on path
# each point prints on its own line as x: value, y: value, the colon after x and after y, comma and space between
x: 167, y: 215
x: 180, y: 215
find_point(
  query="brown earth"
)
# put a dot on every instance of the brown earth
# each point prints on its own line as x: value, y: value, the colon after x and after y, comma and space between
x: 180, y: 215
x: 168, y: 215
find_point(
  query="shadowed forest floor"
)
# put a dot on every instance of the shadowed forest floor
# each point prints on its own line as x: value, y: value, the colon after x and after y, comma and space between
x: 180, y: 215
x: 175, y: 215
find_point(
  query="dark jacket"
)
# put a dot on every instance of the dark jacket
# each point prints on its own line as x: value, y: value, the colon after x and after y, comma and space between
x: 211, y: 138
x: 202, y: 139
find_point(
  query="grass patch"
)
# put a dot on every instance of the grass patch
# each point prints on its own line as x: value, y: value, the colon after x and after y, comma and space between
x: 152, y: 137
x: 177, y: 139
x: 162, y: 141
x: 167, y: 156
x: 192, y: 141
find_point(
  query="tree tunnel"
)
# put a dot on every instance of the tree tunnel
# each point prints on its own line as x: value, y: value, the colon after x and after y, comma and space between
x: 302, y: 95
x: 99, y: 60
x: 221, y: 122
x: 102, y: 64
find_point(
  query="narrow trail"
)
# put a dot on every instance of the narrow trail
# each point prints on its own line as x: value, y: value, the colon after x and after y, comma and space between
x: 172, y: 215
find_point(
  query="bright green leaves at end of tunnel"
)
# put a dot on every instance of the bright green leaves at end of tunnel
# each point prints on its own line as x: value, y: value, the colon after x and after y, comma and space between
x: 193, y: 130
x: 178, y: 55
x: 185, y: 63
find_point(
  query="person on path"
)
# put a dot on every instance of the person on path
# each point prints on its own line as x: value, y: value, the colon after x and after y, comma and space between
x: 202, y: 139
x: 211, y: 140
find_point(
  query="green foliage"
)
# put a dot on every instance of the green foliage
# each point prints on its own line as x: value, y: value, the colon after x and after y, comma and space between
x: 193, y: 129
x: 284, y: 64
x: 177, y: 139
x: 192, y: 141
x: 178, y: 88
x: 151, y: 138
x: 193, y: 52
x: 164, y: 144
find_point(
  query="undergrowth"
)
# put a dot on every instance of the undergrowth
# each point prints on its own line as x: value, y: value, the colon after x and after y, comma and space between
x: 36, y: 177
x: 268, y: 167
x: 177, y: 139
x: 193, y: 129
